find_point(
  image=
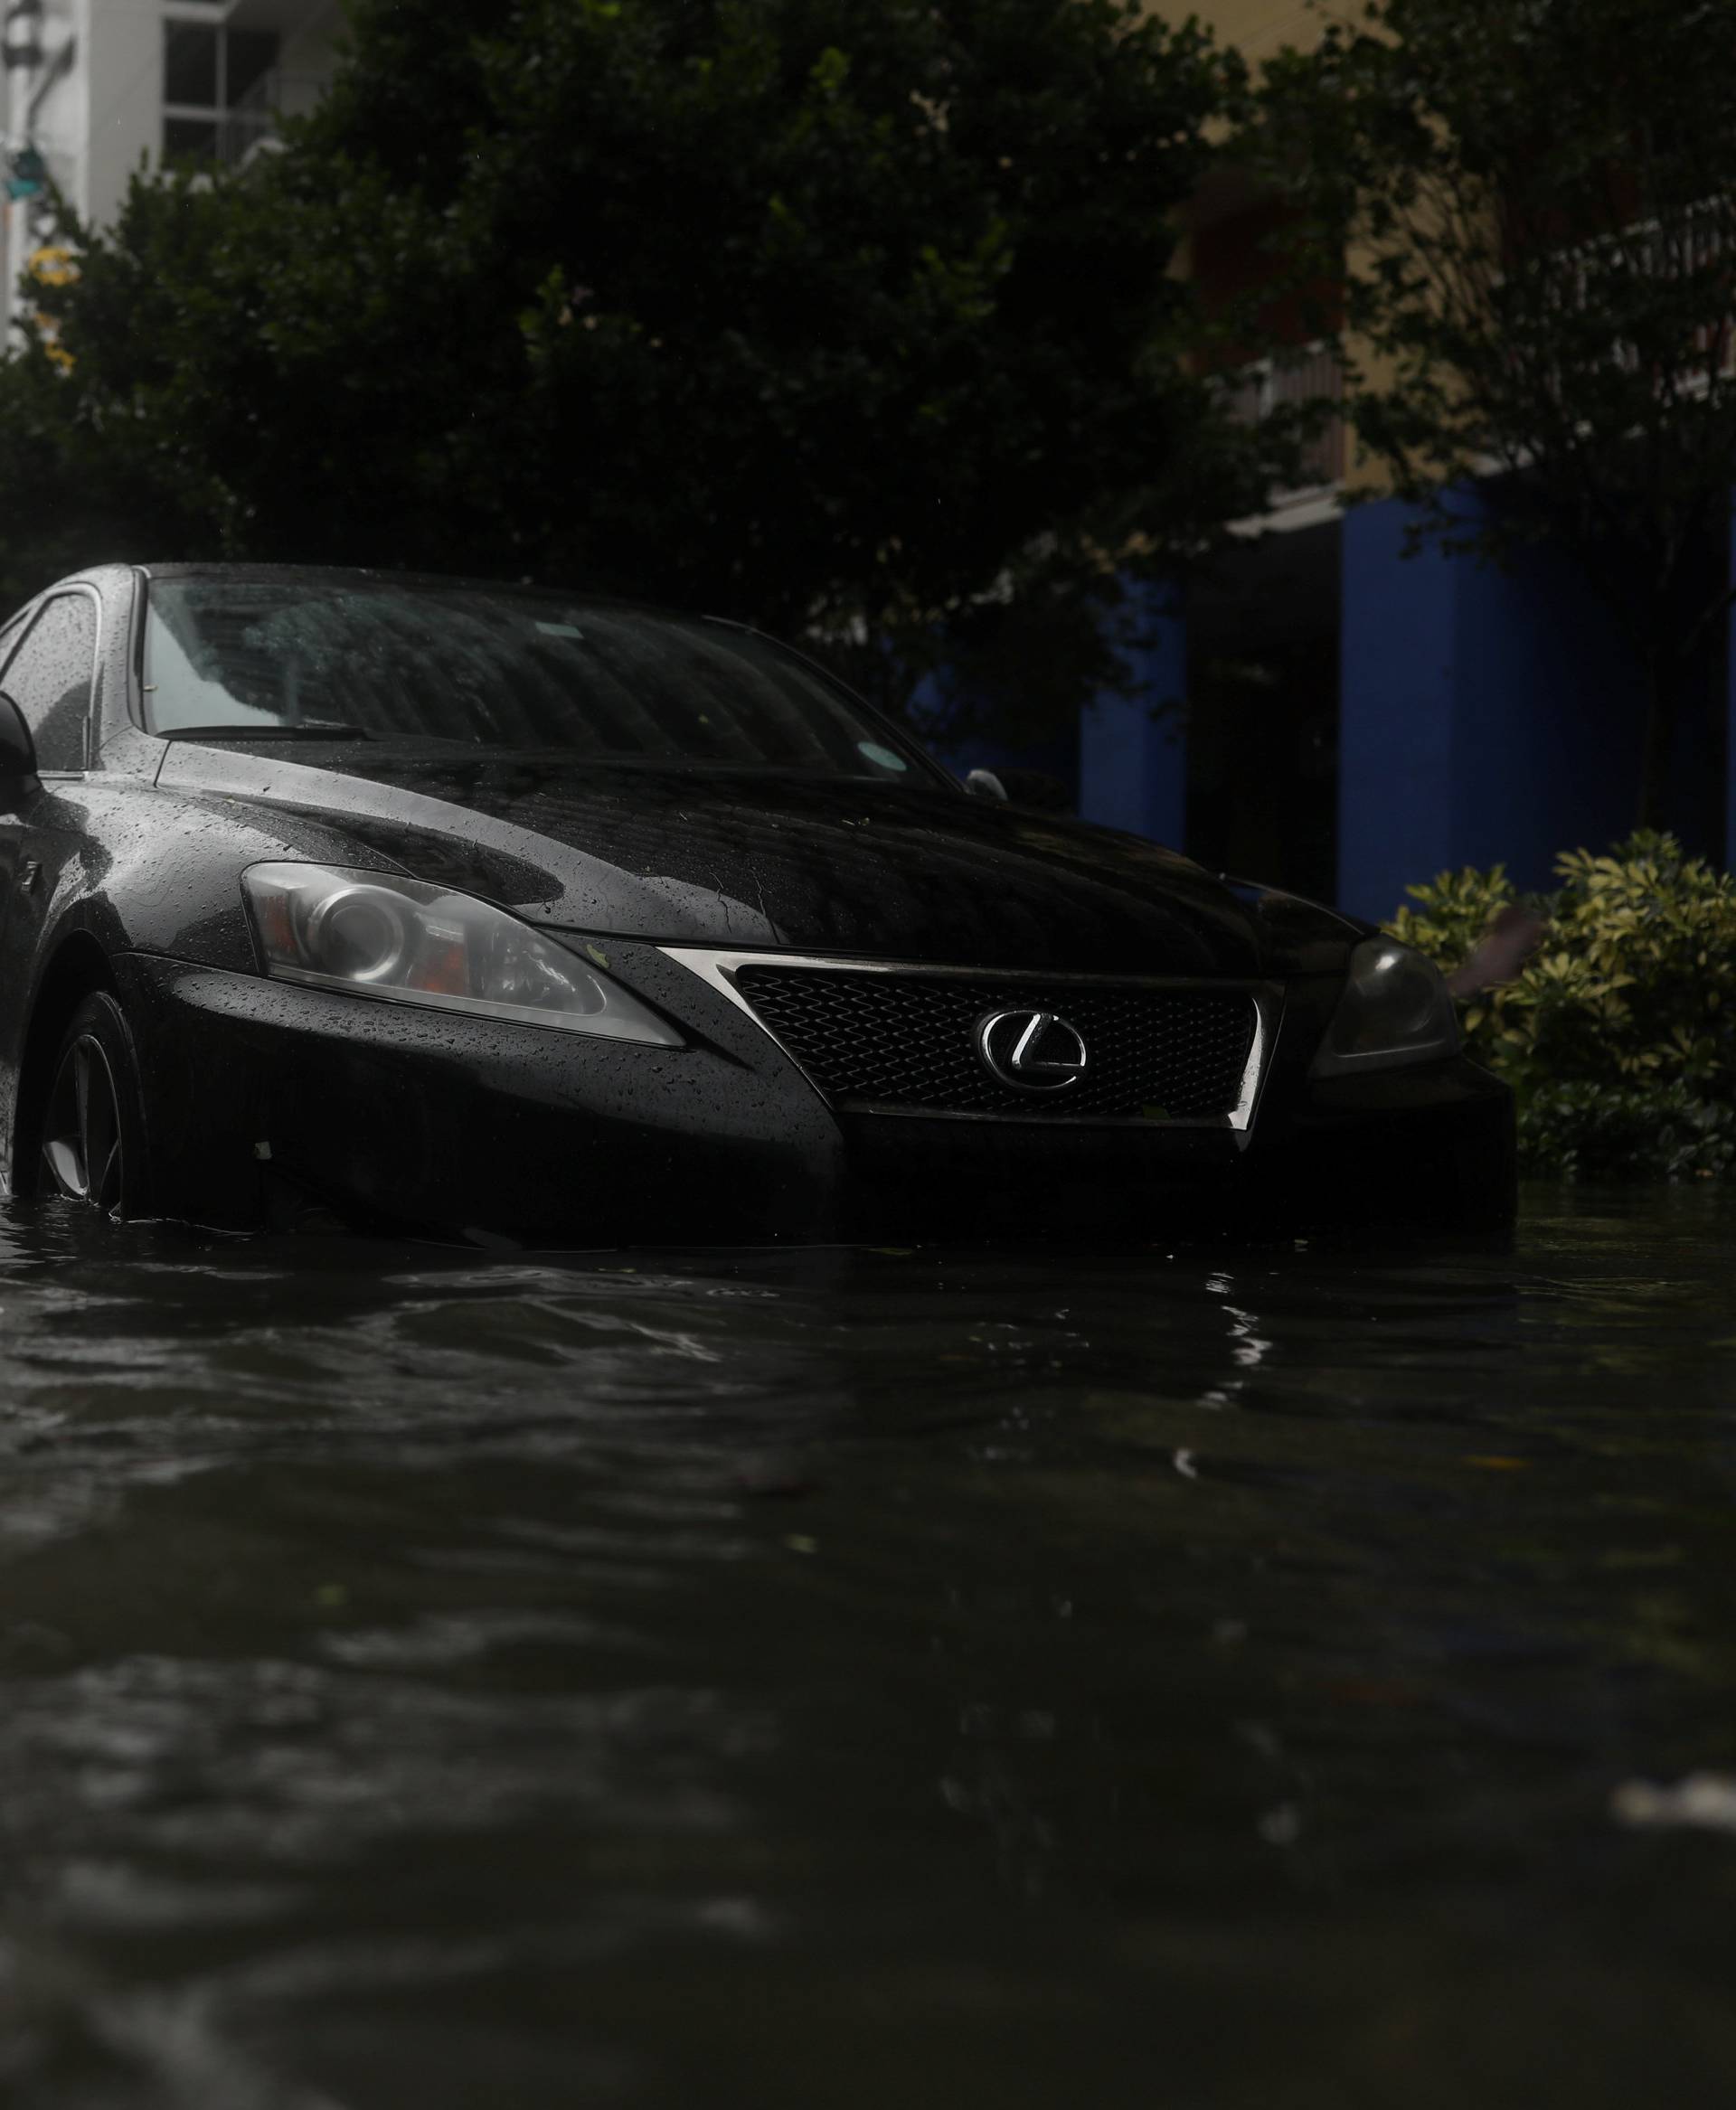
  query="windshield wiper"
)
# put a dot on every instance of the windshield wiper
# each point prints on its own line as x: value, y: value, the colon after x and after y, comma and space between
x: 263, y: 732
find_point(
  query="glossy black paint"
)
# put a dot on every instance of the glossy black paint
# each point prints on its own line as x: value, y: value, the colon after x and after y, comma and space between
x: 261, y: 1097
x: 18, y: 751
x: 729, y: 859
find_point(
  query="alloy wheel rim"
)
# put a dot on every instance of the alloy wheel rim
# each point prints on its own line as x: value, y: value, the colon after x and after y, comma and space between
x: 82, y: 1150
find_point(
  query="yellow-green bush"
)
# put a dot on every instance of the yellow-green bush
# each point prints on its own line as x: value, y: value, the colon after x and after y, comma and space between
x: 1620, y: 1034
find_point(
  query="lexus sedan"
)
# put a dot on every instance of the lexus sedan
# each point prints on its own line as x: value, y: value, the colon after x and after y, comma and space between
x: 524, y: 916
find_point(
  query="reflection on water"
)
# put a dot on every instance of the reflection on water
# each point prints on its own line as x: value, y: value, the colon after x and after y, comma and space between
x: 853, y: 1678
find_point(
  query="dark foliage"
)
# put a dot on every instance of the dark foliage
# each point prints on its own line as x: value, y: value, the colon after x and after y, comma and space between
x: 852, y: 317
x: 1532, y: 200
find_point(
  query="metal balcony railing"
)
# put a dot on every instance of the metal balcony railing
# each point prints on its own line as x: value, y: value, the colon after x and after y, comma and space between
x: 256, y: 116
x: 1697, y: 243
x: 1315, y: 375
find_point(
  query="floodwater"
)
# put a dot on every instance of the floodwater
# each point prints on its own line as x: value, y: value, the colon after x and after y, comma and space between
x: 861, y: 1679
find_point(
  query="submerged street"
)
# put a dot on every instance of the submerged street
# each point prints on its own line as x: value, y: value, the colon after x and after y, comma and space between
x: 852, y: 1678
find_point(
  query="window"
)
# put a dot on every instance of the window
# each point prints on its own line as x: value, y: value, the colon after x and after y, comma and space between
x: 304, y: 657
x: 208, y: 73
x: 50, y: 679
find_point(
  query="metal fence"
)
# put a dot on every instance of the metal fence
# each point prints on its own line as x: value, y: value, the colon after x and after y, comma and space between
x: 1315, y: 375
x: 1693, y: 244
x: 256, y: 116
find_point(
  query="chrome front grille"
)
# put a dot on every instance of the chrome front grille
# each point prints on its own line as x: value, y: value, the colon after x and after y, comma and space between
x: 904, y: 1040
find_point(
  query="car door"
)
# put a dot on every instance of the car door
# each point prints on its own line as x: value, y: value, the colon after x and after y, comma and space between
x: 50, y: 677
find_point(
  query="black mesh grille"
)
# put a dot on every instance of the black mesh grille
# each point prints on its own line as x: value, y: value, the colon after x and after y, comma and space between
x: 910, y: 1040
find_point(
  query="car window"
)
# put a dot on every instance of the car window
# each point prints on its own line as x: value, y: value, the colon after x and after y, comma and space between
x: 50, y: 678
x: 385, y: 660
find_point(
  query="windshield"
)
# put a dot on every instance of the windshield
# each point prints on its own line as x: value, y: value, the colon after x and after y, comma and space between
x: 312, y: 658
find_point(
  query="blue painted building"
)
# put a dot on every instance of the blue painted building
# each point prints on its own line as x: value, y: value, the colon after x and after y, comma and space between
x: 1358, y: 719
x: 1355, y: 719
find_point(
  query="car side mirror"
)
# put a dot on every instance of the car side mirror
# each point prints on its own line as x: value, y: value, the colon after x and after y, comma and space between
x: 986, y: 784
x: 1037, y: 791
x: 18, y: 777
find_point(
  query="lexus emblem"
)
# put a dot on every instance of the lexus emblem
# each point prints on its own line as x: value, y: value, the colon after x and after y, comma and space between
x: 1031, y: 1051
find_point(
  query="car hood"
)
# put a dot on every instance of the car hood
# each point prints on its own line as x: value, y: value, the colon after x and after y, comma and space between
x: 746, y: 860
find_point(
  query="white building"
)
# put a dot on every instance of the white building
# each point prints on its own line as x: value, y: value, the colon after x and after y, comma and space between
x: 102, y: 88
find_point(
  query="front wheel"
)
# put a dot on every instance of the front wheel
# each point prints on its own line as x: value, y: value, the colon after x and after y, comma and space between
x: 93, y: 1130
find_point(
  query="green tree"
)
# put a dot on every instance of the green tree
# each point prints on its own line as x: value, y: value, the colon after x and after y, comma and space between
x: 852, y: 317
x: 1531, y: 204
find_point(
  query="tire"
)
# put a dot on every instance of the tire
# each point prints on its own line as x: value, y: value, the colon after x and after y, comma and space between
x: 92, y: 1146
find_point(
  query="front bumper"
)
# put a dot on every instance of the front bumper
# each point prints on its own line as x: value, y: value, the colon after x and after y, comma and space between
x: 263, y: 1098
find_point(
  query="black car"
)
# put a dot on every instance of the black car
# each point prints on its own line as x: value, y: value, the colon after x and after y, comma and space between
x: 512, y: 914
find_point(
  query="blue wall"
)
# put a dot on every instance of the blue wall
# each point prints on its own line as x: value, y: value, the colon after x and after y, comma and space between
x: 1057, y: 757
x: 1486, y: 716
x: 1133, y: 748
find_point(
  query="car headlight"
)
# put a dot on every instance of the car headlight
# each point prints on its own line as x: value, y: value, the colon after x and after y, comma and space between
x: 1395, y: 1008
x: 374, y: 934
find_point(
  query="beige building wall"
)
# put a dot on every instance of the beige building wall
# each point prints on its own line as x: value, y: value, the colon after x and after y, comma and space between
x: 93, y: 105
x: 1258, y: 28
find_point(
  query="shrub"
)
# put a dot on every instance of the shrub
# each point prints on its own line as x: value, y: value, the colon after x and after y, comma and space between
x: 1618, y: 1036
